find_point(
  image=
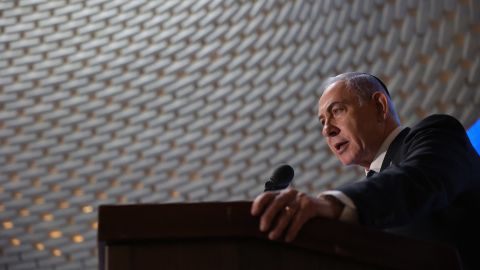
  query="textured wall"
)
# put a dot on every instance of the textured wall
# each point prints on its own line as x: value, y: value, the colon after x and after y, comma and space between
x: 105, y: 102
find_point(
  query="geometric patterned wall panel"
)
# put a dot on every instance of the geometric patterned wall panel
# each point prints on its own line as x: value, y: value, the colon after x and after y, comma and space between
x: 114, y: 102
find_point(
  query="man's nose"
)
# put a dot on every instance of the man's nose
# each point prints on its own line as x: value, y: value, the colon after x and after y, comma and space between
x: 329, y: 129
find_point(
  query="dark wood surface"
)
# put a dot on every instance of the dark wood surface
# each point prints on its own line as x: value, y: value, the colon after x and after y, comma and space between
x: 163, y: 227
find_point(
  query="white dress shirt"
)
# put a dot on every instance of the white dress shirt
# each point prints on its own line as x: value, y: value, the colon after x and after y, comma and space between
x: 349, y: 213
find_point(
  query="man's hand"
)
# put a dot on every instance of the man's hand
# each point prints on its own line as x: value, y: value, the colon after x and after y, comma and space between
x: 286, y: 211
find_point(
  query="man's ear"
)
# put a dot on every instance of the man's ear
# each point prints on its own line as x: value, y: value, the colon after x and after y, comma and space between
x: 381, y: 105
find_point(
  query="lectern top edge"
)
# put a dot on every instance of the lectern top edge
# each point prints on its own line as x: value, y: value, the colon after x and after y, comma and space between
x: 232, y: 220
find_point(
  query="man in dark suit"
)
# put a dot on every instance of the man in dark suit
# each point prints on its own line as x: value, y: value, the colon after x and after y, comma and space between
x: 422, y: 181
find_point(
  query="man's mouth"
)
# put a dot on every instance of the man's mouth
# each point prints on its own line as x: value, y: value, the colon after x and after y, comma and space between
x: 341, y: 146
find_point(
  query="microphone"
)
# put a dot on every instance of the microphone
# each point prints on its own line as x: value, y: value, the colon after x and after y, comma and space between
x: 280, y: 179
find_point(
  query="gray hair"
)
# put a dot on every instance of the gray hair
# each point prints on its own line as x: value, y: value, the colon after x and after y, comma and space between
x: 363, y: 85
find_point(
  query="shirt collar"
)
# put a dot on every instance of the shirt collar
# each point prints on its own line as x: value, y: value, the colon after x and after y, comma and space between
x: 376, y: 165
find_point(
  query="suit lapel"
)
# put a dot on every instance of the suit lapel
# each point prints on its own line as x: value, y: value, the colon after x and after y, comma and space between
x: 393, y: 149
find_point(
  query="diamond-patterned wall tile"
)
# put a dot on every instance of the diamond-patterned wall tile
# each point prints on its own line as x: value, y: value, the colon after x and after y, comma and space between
x: 111, y: 102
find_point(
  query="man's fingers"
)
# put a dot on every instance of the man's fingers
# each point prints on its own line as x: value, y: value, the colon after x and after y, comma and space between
x: 268, y: 215
x: 260, y: 202
x: 276, y: 205
x: 308, y: 208
x: 283, y: 220
x: 296, y: 224
x: 285, y: 212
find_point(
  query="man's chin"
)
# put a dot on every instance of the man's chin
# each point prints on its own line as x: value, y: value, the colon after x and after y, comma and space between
x: 347, y: 160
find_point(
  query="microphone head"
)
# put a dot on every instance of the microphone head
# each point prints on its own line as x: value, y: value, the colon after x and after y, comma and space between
x: 281, y: 178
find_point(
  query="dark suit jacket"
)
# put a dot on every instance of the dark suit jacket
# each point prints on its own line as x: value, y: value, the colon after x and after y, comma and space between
x: 428, y: 187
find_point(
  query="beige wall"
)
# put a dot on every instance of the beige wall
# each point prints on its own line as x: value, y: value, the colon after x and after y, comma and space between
x: 107, y: 102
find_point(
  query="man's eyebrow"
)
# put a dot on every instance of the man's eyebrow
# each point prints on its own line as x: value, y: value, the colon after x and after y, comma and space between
x: 329, y: 107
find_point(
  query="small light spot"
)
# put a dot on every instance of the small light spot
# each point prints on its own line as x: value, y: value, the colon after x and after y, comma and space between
x: 78, y: 192
x: 77, y: 238
x: 55, y: 234
x: 444, y: 76
x: 39, y: 200
x: 24, y: 212
x: 114, y: 183
x: 138, y: 186
x: 39, y: 246
x: 15, y: 241
x: 56, y: 252
x: 102, y: 196
x: 47, y: 217
x: 37, y: 183
x: 15, y: 177
x: 64, y: 205
x: 174, y: 194
x: 87, y: 209
x: 195, y: 176
x: 92, y: 180
x: 55, y: 188
x: 71, y: 221
x: 95, y: 225
x: 218, y: 177
x: 173, y: 175
x: 7, y: 225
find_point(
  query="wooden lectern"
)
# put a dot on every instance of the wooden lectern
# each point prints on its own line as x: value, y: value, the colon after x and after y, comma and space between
x: 226, y: 236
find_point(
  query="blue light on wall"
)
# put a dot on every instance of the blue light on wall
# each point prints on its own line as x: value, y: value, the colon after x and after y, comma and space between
x: 474, y: 134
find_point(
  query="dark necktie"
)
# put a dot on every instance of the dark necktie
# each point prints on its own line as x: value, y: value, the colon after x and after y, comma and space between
x: 371, y: 173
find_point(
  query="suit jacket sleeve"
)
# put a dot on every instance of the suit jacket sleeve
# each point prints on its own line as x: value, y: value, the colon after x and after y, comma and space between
x: 435, y: 163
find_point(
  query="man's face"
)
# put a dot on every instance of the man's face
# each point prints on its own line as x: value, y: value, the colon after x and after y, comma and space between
x: 353, y: 131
